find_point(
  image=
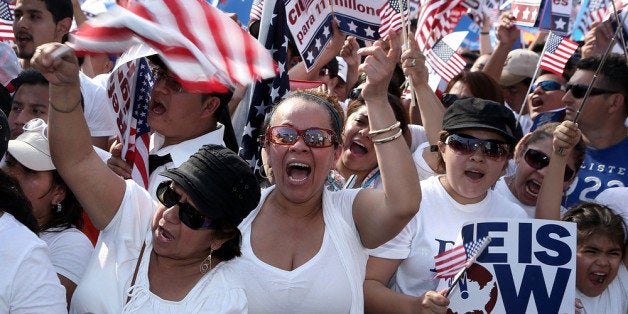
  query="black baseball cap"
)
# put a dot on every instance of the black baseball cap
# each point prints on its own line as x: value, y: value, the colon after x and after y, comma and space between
x: 477, y: 113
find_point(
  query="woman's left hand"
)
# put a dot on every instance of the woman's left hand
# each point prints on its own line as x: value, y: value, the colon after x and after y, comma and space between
x: 566, y: 136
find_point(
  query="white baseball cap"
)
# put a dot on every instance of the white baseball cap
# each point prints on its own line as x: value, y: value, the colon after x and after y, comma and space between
x: 31, y: 148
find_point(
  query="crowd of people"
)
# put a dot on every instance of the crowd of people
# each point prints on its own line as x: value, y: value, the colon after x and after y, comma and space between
x: 360, y: 187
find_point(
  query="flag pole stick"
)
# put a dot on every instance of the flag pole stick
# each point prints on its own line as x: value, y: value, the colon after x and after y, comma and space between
x: 620, y: 26
x: 405, y: 30
x: 597, y: 72
x: 536, y: 73
x: 470, y: 262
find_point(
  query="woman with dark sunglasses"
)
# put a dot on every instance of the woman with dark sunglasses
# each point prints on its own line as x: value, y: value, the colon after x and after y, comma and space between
x: 477, y: 140
x: 304, y: 248
x: 150, y: 257
x: 532, y: 157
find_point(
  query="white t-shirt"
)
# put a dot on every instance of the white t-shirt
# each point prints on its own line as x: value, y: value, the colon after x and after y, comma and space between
x: 70, y: 251
x: 107, y: 279
x: 97, y: 108
x: 28, y: 282
x: 418, y: 136
x: 422, y: 168
x: 422, y: 238
x: 321, y: 285
x: 502, y: 189
x: 616, y: 199
x: 179, y: 153
x: 613, y: 300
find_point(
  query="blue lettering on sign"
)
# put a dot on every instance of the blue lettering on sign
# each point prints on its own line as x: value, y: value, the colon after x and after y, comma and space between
x: 532, y: 283
x: 483, y: 229
x: 544, y: 239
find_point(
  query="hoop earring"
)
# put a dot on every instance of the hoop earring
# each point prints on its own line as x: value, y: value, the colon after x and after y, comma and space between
x: 263, y: 174
x: 206, y: 265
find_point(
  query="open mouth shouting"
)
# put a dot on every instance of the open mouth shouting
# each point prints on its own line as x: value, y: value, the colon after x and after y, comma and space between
x: 474, y: 175
x: 298, y: 172
x: 358, y: 148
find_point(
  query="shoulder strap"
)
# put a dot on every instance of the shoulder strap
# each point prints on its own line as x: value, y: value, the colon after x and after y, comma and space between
x: 137, y: 268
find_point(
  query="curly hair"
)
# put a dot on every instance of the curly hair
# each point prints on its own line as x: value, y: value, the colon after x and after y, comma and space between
x: 597, y: 219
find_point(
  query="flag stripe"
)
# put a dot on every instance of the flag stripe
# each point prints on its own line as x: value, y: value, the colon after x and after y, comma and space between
x: 202, y: 46
x: 556, y: 53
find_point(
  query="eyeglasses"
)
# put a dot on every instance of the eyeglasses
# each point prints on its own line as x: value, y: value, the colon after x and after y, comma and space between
x: 495, y: 150
x: 538, y: 160
x: 313, y: 137
x: 548, y: 86
x: 579, y: 90
x: 188, y: 215
x: 171, y: 83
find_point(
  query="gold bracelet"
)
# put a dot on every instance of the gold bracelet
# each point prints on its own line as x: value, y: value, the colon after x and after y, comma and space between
x: 64, y: 111
x: 390, y: 128
x: 388, y: 139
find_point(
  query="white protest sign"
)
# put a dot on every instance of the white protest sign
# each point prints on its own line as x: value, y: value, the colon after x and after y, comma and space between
x: 358, y: 17
x: 309, y: 22
x: 529, y: 267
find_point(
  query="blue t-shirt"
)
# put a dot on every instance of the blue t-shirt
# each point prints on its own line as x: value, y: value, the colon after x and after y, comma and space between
x: 601, y: 169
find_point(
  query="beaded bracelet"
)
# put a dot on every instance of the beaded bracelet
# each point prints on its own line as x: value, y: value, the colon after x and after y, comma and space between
x: 388, y: 139
x: 390, y: 128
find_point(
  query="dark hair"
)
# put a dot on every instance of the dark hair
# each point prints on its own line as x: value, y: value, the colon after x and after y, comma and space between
x: 71, y: 213
x: 15, y: 202
x: 614, y: 73
x: 28, y: 76
x: 223, y: 117
x: 231, y: 248
x: 597, y: 219
x: 5, y: 100
x: 59, y: 9
x: 330, y: 102
x: 546, y: 131
x: 480, y: 84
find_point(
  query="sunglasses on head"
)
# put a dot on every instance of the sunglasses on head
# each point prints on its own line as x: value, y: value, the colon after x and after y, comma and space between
x: 313, y: 137
x: 187, y: 213
x: 355, y: 93
x: 579, y: 90
x: 547, y: 86
x: 467, y: 145
x: 538, y: 160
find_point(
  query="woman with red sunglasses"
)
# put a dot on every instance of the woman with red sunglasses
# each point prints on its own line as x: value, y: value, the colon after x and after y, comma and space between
x: 173, y: 256
x: 304, y: 248
x: 532, y: 157
x: 476, y: 142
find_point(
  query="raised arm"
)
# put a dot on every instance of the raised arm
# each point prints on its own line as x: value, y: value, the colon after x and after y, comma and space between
x: 566, y: 136
x: 428, y: 105
x: 99, y: 190
x: 507, y: 34
x: 380, y: 214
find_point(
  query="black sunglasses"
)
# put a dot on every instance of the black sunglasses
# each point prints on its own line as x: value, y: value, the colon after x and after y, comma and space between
x: 313, y: 137
x: 355, y: 93
x: 579, y: 90
x: 547, y: 86
x: 467, y: 145
x: 538, y: 160
x: 188, y: 215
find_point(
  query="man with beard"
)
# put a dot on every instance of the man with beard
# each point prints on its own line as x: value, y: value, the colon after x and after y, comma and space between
x: 38, y: 22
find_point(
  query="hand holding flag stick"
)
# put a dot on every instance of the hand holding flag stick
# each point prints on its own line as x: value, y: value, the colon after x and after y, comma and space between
x: 459, y: 259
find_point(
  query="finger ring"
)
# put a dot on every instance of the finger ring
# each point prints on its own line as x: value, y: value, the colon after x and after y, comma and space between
x: 413, y: 62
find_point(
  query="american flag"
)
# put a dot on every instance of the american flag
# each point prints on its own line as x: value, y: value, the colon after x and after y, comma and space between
x: 444, y: 60
x: 6, y: 20
x: 556, y: 53
x: 390, y: 14
x: 134, y: 132
x: 266, y: 92
x: 452, y: 261
x: 434, y: 21
x: 256, y: 10
x: 204, y: 48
